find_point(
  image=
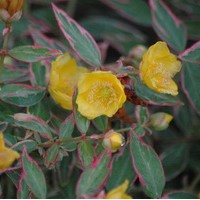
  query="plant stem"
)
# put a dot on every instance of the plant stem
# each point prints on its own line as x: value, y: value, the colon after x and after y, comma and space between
x: 78, y: 139
x: 8, y: 30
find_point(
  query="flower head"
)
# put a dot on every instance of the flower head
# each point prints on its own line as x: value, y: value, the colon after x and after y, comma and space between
x: 158, y: 67
x: 7, y: 155
x: 99, y: 93
x: 10, y: 10
x: 160, y: 121
x: 64, y: 76
x: 119, y: 192
x: 113, y: 141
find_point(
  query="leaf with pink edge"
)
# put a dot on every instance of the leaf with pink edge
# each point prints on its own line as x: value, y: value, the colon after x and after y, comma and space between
x: 147, y: 167
x: 79, y: 39
x: 33, y: 123
x: 94, y: 176
x: 34, y: 176
x: 190, y: 83
x: 21, y: 95
x: 32, y: 53
x: 51, y: 156
x: 191, y: 54
x: 23, y: 191
x: 172, y: 30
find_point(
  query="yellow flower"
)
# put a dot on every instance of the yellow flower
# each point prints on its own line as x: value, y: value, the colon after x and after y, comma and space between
x: 158, y: 67
x: 113, y: 141
x: 64, y: 76
x: 7, y: 155
x: 99, y: 93
x: 10, y: 10
x: 119, y: 192
x: 160, y: 121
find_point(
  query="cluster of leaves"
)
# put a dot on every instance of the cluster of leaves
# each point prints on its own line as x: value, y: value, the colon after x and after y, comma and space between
x: 58, y: 157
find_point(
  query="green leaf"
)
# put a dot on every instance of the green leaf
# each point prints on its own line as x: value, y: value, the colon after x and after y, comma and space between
x: 67, y: 127
x: 174, y: 160
x: 31, y: 145
x: 191, y: 83
x: 132, y: 10
x: 101, y: 122
x: 82, y: 122
x: 93, y: 177
x: 79, y: 39
x: 141, y: 114
x: 32, y: 53
x: 23, y: 191
x: 14, y: 74
x: 86, y: 153
x: 41, y: 109
x: 121, y: 170
x: 192, y: 54
x: 34, y: 176
x: 147, y: 166
x: 180, y: 195
x: 21, y: 95
x: 33, y: 123
x: 167, y: 26
x: 139, y: 130
x: 51, y: 156
x: 14, y: 176
x: 38, y: 74
x: 153, y: 97
x: 122, y: 36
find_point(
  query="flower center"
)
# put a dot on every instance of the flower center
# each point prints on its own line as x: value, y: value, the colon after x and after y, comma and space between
x: 102, y: 94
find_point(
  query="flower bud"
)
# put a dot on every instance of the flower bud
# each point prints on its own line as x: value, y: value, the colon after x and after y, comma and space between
x: 160, y: 121
x: 113, y: 141
x: 138, y: 51
x: 11, y: 10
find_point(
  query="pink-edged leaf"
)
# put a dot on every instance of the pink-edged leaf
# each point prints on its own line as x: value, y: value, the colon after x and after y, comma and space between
x: 23, y: 191
x: 82, y: 122
x: 79, y: 39
x: 167, y: 26
x: 11, y: 74
x: 33, y: 176
x: 86, y: 153
x: 131, y: 10
x: 152, y: 97
x: 33, y: 123
x: 190, y: 76
x: 42, y: 40
x: 191, y: 54
x: 31, y: 145
x: 32, y: 53
x: 67, y: 127
x: 51, y: 156
x: 94, y: 176
x: 147, y: 167
x: 21, y: 95
x: 179, y: 195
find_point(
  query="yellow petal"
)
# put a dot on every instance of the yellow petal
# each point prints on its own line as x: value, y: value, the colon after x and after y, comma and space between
x: 119, y: 192
x: 157, y: 68
x: 99, y: 93
x: 64, y: 76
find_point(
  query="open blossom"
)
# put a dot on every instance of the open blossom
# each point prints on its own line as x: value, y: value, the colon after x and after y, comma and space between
x: 10, y: 10
x: 99, y: 93
x: 64, y: 76
x: 7, y: 155
x: 158, y: 67
x: 119, y: 192
x: 113, y: 141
